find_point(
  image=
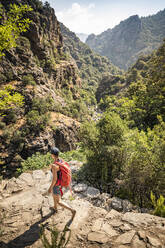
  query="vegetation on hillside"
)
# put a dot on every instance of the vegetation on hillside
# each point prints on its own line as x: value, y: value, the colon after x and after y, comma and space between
x: 92, y: 66
x: 128, y: 142
x: 12, y: 25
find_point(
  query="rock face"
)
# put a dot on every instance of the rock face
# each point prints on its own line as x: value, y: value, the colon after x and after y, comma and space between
x: 38, y: 69
x: 132, y: 37
x: 24, y: 207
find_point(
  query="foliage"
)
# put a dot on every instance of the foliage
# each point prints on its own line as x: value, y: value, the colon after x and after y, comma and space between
x: 35, y: 121
x: 73, y: 155
x: 38, y: 117
x: 28, y: 80
x: 102, y: 143
x: 159, y: 205
x: 144, y: 97
x: 36, y: 161
x: 91, y: 66
x: 115, y: 151
x: 9, y: 99
x: 12, y: 26
x: 58, y: 239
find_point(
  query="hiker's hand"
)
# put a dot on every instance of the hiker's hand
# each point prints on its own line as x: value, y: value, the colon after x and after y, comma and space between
x: 49, y: 190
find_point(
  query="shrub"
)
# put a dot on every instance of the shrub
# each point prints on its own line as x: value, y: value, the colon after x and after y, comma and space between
x: 36, y: 161
x: 58, y: 239
x: 73, y: 155
x: 10, y: 117
x: 37, y: 122
x: 102, y: 143
x: 43, y: 105
x: 28, y: 80
x: 2, y: 125
x: 159, y: 205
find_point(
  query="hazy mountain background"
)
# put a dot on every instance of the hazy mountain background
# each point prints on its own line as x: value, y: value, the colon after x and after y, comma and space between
x: 82, y: 36
x: 134, y: 36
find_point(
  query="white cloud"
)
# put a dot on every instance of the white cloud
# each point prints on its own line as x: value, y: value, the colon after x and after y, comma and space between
x: 78, y: 18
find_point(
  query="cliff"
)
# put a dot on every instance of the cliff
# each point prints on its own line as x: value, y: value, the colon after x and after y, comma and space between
x: 40, y: 71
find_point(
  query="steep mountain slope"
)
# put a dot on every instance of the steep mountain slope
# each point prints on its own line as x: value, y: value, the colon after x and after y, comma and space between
x: 132, y: 37
x: 141, y: 90
x: 40, y: 71
x: 92, y: 66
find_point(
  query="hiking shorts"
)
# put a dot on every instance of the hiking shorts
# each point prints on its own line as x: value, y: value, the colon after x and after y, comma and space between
x: 56, y: 190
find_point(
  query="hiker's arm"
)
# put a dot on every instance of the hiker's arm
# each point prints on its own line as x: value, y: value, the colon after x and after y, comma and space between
x: 54, y: 171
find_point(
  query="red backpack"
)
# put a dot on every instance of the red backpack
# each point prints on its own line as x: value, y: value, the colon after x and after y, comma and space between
x: 65, y: 175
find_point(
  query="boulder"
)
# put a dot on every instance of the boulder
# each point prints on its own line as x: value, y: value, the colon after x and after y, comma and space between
x: 116, y: 203
x: 79, y: 188
x: 92, y: 193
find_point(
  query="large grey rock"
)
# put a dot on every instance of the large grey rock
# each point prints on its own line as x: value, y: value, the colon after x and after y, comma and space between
x: 81, y: 187
x: 92, y: 193
x: 116, y: 204
x: 127, y: 206
x: 13, y: 186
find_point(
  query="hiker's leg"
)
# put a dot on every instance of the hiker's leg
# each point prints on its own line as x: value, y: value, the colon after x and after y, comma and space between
x: 56, y: 196
x: 56, y: 200
x: 65, y: 205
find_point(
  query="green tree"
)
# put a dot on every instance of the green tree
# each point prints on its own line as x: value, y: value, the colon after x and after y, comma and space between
x: 12, y: 25
x: 102, y: 143
x: 9, y: 99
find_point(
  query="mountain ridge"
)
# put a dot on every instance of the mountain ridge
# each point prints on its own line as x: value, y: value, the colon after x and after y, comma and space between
x: 130, y: 38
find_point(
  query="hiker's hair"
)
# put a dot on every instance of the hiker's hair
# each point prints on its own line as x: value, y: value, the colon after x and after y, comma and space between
x: 55, y: 151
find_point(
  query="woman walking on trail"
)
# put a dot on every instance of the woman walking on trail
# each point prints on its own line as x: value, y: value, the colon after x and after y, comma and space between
x: 54, y: 187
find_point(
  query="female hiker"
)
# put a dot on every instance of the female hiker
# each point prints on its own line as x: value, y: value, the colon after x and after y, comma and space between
x: 55, y: 185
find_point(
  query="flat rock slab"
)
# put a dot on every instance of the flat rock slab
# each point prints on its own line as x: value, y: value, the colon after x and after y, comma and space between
x: 139, y: 219
x: 98, y: 237
x: 125, y: 238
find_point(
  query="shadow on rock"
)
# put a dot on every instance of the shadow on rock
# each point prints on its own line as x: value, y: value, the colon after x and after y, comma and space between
x: 28, y: 237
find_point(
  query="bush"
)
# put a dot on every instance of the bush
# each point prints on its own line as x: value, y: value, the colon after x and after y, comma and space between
x: 37, y: 122
x: 10, y: 117
x: 28, y: 80
x: 73, y: 155
x: 43, y: 105
x: 2, y: 125
x: 58, y: 239
x: 102, y: 143
x: 36, y: 161
x: 159, y: 205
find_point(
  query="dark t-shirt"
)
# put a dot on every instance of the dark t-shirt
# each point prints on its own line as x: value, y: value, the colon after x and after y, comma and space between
x: 58, y: 172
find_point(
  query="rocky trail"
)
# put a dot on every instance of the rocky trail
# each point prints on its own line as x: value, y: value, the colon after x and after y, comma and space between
x: 23, y: 209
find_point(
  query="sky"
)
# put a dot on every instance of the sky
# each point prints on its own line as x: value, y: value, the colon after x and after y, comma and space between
x: 96, y: 16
